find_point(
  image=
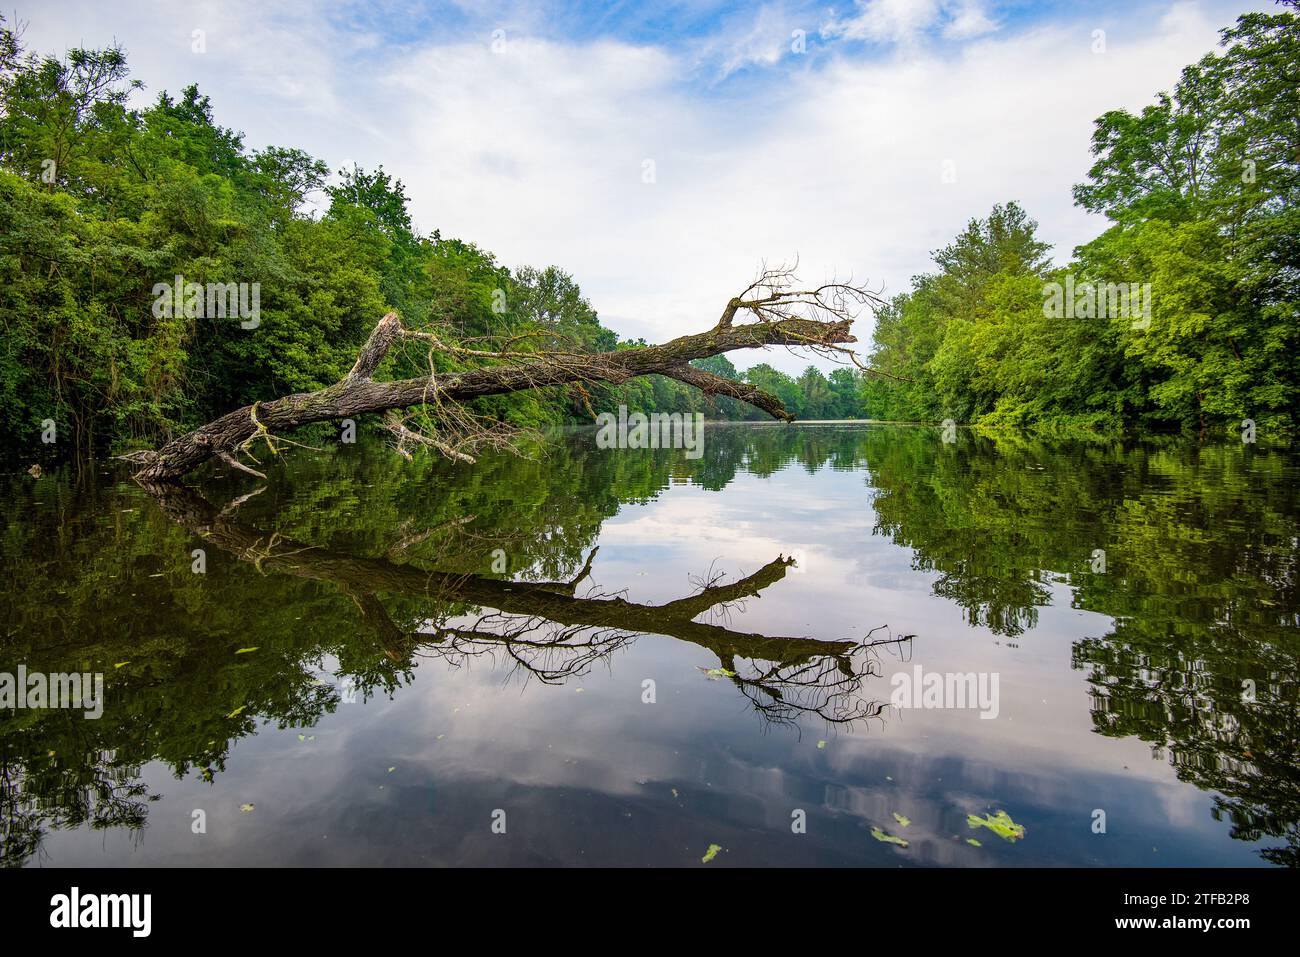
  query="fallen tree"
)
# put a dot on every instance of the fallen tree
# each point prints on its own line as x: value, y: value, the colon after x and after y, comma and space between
x: 817, y: 319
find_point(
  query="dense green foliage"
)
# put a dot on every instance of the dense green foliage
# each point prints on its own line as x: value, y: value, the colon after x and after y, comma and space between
x: 1201, y: 191
x: 100, y: 202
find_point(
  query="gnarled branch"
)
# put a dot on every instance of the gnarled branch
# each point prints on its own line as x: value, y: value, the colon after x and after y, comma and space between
x: 778, y: 306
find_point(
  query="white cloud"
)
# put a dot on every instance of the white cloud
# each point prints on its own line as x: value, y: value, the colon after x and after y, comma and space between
x: 759, y: 38
x: 968, y: 19
x: 903, y: 21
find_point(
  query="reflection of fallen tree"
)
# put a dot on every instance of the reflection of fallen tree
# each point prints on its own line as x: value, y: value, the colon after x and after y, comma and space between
x: 549, y: 632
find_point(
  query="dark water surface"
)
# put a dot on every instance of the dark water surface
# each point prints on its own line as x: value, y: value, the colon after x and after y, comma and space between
x: 1138, y: 606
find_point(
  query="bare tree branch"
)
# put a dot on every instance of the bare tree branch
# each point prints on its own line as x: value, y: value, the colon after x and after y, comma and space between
x: 817, y: 319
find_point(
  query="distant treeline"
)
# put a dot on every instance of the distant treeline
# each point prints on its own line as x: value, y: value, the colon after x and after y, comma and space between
x: 1182, y: 315
x: 117, y: 224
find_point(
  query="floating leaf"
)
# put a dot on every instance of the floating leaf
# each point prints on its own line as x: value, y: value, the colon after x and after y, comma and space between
x: 711, y: 853
x: 973, y: 843
x: 1000, y: 824
x: 245, y: 808
x: 236, y: 711
x: 881, y: 836
x: 244, y: 651
x: 391, y: 770
x: 821, y: 745
x: 718, y: 672
x: 902, y: 821
x: 302, y: 737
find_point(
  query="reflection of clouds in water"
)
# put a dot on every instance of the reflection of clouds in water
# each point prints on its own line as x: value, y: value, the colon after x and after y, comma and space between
x: 552, y: 752
x: 703, y: 526
x: 604, y: 742
x: 835, y: 536
x: 856, y: 570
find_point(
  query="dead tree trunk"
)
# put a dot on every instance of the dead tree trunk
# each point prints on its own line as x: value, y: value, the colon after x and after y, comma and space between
x: 772, y: 301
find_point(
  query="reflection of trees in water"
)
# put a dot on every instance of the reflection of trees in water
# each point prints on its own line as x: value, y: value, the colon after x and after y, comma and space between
x: 40, y: 793
x: 1187, y: 696
x: 1200, y: 577
x: 184, y: 697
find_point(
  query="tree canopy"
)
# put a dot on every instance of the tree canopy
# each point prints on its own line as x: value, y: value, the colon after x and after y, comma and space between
x: 1200, y: 189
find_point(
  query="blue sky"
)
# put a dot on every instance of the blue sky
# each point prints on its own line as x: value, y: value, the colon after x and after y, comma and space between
x: 662, y: 152
x: 724, y: 22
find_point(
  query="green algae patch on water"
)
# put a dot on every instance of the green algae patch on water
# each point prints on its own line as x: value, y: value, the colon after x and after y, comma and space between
x: 884, y: 838
x: 1000, y: 824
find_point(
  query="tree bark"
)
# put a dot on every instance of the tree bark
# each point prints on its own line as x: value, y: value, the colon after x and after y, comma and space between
x: 358, y: 393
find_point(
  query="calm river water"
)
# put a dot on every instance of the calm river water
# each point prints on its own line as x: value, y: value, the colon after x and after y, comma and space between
x: 603, y: 657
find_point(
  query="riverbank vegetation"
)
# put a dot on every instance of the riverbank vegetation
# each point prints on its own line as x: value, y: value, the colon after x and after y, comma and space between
x: 1200, y: 190
x: 106, y: 207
